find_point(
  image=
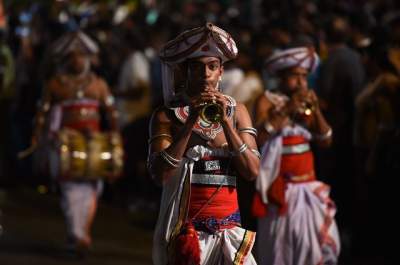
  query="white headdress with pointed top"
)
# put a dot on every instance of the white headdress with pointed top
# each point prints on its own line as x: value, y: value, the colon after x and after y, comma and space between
x: 208, y: 40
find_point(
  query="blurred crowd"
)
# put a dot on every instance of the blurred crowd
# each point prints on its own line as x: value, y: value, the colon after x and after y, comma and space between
x: 358, y: 84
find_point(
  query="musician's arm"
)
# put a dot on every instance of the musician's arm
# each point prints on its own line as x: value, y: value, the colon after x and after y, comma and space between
x: 267, y: 119
x: 243, y: 145
x: 108, y: 102
x: 322, y: 131
x: 166, y: 149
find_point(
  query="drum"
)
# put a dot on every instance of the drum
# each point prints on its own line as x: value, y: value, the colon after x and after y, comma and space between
x: 78, y: 157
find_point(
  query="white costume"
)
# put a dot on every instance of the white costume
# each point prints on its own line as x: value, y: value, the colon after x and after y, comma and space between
x: 228, y: 243
x: 307, y: 232
x: 74, y: 105
x: 76, y: 200
x: 299, y: 228
x: 229, y: 246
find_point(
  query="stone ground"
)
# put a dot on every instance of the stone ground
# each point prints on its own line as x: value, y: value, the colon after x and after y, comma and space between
x: 33, y: 233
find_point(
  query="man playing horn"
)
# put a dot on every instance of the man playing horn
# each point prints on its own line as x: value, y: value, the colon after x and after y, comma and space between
x: 200, y: 142
x: 295, y: 214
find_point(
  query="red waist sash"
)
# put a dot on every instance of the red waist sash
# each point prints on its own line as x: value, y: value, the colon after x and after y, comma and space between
x: 223, y: 204
x: 81, y: 115
x: 295, y: 168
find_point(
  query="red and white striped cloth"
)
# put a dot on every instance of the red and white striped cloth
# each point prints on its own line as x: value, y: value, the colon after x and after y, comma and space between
x: 295, y: 57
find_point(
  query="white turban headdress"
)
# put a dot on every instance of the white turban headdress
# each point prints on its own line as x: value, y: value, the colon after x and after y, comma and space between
x: 295, y: 57
x: 208, y: 40
x: 73, y: 41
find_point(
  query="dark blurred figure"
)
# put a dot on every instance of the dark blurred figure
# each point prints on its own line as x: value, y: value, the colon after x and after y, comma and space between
x: 7, y: 94
x: 341, y: 79
x: 378, y: 137
x: 29, y: 46
x: 133, y: 101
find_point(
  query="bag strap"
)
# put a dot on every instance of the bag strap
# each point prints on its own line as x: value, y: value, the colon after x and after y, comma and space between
x: 208, y: 201
x: 212, y: 195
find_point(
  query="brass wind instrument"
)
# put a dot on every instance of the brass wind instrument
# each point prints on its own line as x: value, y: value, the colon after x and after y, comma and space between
x: 211, y: 112
x: 306, y: 108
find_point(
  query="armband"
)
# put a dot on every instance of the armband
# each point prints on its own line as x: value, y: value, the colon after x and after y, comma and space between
x: 255, y: 151
x: 169, y: 159
x: 241, y: 149
x: 161, y: 135
x: 269, y: 128
x: 249, y: 130
x: 324, y: 136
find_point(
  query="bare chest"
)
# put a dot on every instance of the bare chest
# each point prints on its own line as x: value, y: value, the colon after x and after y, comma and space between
x: 76, y: 88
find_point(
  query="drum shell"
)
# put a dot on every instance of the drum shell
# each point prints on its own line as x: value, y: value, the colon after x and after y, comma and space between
x: 79, y: 157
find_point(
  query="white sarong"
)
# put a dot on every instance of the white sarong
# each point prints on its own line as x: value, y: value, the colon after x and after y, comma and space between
x: 229, y: 246
x: 76, y: 202
x: 307, y: 234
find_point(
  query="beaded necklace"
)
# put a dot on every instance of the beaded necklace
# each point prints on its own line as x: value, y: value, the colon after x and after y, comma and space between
x: 205, y: 130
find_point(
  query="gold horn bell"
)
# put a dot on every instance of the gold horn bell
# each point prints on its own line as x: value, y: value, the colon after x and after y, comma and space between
x: 306, y: 108
x: 211, y: 112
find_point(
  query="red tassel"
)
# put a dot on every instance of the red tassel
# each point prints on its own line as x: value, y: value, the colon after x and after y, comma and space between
x: 276, y: 194
x: 258, y: 208
x: 187, y: 247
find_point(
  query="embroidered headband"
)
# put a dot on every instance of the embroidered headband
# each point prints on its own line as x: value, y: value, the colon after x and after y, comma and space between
x: 294, y: 57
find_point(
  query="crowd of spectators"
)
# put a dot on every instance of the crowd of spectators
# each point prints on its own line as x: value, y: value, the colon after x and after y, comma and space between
x: 358, y: 83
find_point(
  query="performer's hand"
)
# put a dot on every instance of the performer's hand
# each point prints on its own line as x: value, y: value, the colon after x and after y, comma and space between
x: 313, y: 99
x: 195, y: 106
x: 303, y: 105
x: 299, y: 100
x: 295, y: 103
x: 278, y: 118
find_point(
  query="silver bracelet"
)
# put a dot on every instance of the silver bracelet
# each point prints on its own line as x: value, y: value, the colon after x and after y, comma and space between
x: 255, y: 151
x: 173, y: 159
x: 269, y: 128
x: 161, y: 135
x: 169, y: 159
x: 242, y: 148
x: 324, y: 136
x: 249, y: 130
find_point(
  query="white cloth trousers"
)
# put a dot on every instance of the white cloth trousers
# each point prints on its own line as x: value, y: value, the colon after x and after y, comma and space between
x: 76, y: 201
x: 306, y: 234
x: 222, y: 247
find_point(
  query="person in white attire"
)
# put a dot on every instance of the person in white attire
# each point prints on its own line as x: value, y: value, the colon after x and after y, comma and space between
x: 72, y: 103
x: 196, y: 156
x: 296, y: 223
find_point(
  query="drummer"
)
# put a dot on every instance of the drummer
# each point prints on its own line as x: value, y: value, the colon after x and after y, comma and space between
x: 72, y: 100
